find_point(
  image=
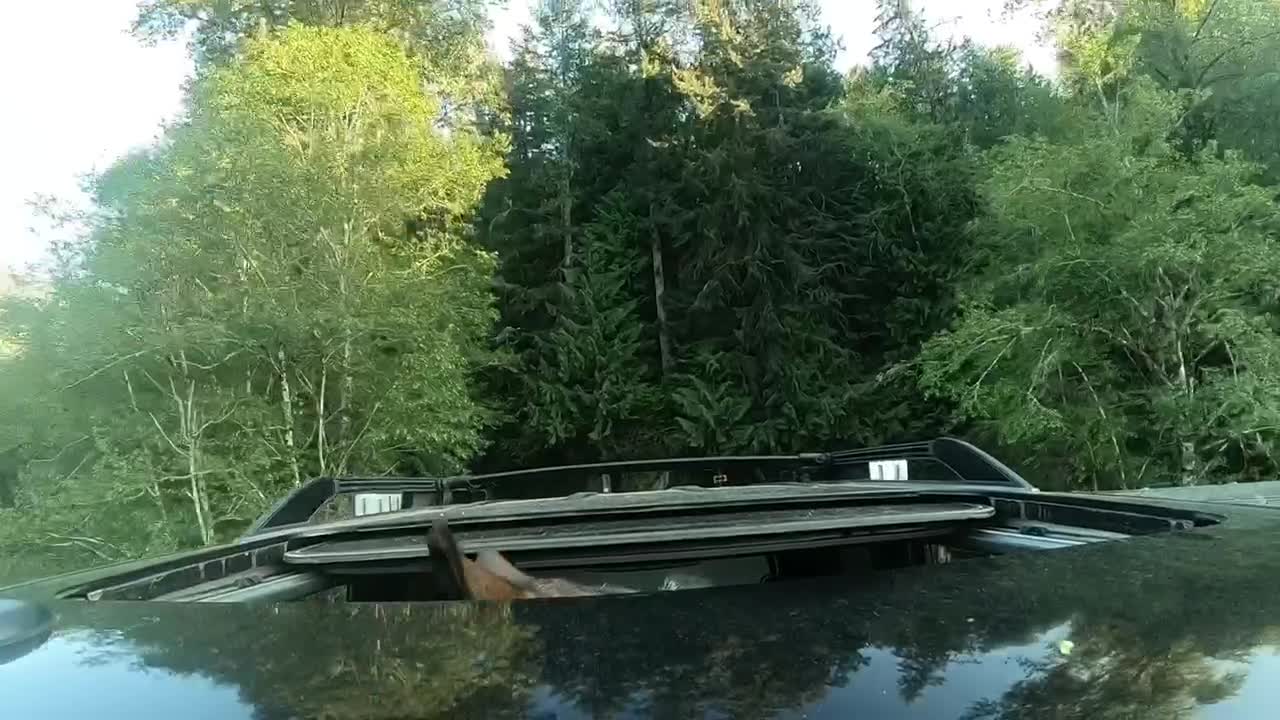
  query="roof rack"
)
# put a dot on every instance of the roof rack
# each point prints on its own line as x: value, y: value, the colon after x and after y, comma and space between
x: 301, y: 504
x: 965, y: 462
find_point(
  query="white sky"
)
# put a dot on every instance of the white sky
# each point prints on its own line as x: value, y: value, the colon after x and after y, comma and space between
x: 80, y: 91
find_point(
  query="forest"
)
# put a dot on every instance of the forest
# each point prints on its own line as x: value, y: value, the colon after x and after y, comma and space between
x: 664, y: 227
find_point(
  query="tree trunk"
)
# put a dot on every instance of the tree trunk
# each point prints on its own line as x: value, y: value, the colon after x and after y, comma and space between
x: 1186, y: 473
x: 566, y: 219
x: 1187, y: 451
x: 200, y: 501
x: 154, y: 491
x: 199, y: 496
x: 286, y: 408
x: 189, y: 435
x: 565, y: 131
x: 244, y: 316
x: 659, y: 291
x: 320, y: 436
x: 345, y: 390
x: 348, y: 386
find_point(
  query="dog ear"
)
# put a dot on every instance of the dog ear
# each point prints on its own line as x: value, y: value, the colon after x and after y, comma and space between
x: 494, y: 562
x: 486, y: 584
x: 447, y: 562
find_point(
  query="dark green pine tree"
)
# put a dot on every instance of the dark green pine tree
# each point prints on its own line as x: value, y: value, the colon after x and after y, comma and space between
x: 919, y: 197
x: 702, y: 249
x: 576, y: 262
x: 908, y: 58
x: 987, y: 93
x: 819, y: 244
x: 764, y: 224
x: 528, y: 218
x: 613, y: 347
x: 596, y: 388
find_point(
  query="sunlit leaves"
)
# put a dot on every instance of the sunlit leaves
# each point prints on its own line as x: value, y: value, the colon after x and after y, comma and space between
x: 283, y: 287
x: 1125, y: 310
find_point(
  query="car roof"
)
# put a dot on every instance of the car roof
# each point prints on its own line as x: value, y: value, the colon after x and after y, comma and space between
x: 1147, y: 627
x: 1266, y: 492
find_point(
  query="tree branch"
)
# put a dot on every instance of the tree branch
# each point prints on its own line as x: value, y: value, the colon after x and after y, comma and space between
x: 163, y: 434
x: 106, y: 367
x: 1207, y: 14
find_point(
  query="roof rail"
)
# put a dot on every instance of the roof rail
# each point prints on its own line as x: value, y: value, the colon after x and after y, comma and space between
x: 301, y: 504
x: 965, y: 462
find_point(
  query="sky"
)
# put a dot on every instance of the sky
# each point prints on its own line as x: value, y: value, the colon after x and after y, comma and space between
x: 82, y: 91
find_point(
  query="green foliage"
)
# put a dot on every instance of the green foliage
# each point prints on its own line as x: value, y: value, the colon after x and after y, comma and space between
x: 717, y: 199
x: 702, y: 240
x: 997, y: 97
x: 558, y: 316
x: 1124, y: 324
x: 597, y: 353
x: 445, y: 37
x: 920, y: 196
x: 986, y: 93
x: 758, y: 237
x: 249, y: 310
x: 1218, y: 57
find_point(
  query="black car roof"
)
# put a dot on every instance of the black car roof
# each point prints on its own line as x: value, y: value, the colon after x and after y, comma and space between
x: 1157, y: 626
